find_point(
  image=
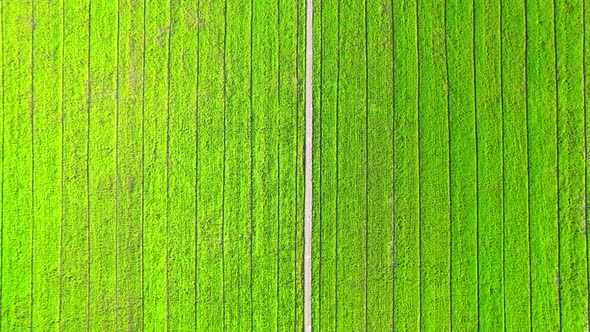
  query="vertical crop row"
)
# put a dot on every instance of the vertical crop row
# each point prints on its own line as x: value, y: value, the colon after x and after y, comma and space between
x: 47, y: 157
x: 130, y: 74
x: 17, y: 210
x: 380, y: 168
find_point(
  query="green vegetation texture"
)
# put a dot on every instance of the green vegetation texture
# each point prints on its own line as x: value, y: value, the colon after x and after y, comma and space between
x: 151, y: 165
x: 450, y: 165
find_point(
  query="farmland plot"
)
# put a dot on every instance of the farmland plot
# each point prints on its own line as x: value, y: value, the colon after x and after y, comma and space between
x: 152, y: 169
x: 450, y: 165
x: 152, y: 165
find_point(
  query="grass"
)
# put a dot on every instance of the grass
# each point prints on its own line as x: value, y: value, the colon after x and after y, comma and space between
x: 471, y: 213
x: 152, y: 165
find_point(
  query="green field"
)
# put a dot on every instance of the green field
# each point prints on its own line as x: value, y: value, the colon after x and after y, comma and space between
x: 152, y: 165
x: 450, y: 165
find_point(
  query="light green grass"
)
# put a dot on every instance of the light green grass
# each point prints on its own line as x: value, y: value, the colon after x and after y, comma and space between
x: 146, y: 184
x: 48, y: 152
x: 74, y: 252
x: 152, y: 165
x: 17, y: 208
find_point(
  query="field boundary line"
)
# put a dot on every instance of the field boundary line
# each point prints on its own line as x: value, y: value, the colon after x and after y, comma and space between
x: 366, y: 22
x: 251, y: 160
x: 167, y: 223
x: 419, y: 157
x: 88, y: 207
x: 476, y: 135
x: 528, y: 156
x: 117, y: 166
x: 449, y: 164
x: 337, y: 175
x: 585, y: 157
x: 2, y: 157
x: 393, y: 165
x: 557, y: 176
x: 308, y: 166
x: 278, y: 239
x: 32, y: 123
x: 503, y: 134
x: 197, y: 109
x: 62, y: 197
x: 223, y: 171
x: 143, y: 63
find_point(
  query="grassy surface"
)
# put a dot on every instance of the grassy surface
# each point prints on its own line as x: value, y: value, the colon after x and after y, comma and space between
x: 455, y: 197
x: 152, y: 153
x: 152, y: 165
x: 17, y: 180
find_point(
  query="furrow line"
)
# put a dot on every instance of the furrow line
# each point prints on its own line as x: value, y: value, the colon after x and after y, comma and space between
x: 308, y: 186
x: 557, y: 161
x: 143, y: 65
x: 2, y: 179
x: 585, y: 161
x: 502, y: 106
x: 170, y: 13
x: 278, y: 240
x: 366, y: 167
x: 32, y: 120
x: 526, y: 88
x: 476, y: 161
x: 393, y: 174
x: 223, y: 180
x: 88, y: 207
x: 61, y: 221
x: 419, y: 155
x: 198, y: 63
x: 117, y: 96
x: 251, y: 192
x: 449, y: 169
x: 337, y: 173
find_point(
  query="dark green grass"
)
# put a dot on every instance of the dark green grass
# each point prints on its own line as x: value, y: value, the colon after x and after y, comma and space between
x: 571, y: 166
x: 463, y: 269
x: 380, y: 174
x: 515, y: 165
x: 238, y: 163
x: 490, y: 199
x: 485, y: 104
x: 542, y: 165
x: 433, y: 148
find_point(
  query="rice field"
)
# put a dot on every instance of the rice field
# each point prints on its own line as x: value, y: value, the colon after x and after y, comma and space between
x: 154, y: 155
x: 450, y: 165
x: 152, y: 165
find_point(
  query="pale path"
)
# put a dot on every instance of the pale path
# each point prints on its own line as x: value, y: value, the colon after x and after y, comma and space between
x: 308, y: 166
